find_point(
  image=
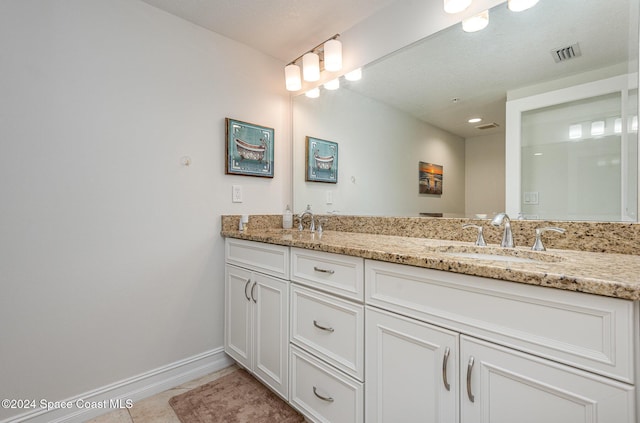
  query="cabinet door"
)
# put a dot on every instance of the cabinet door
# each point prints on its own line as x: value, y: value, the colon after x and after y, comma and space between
x: 270, y: 298
x: 411, y: 370
x: 501, y: 385
x: 237, y: 322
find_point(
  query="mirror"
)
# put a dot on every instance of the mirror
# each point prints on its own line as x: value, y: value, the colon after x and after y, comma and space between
x: 413, y: 105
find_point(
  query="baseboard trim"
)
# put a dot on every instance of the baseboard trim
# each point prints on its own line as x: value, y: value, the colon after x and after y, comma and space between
x: 134, y: 389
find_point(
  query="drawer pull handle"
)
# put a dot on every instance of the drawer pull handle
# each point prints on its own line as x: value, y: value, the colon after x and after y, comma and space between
x: 253, y: 288
x: 319, y: 326
x: 321, y: 270
x: 445, y: 360
x: 245, y: 289
x: 322, y: 397
x: 469, y: 370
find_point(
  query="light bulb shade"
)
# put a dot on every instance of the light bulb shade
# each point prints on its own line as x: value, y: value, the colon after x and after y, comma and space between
x: 333, y: 55
x: 597, y: 128
x: 575, y: 131
x: 313, y: 93
x: 292, y: 77
x: 456, y: 6
x: 520, y: 5
x: 354, y: 75
x: 311, y: 67
x: 476, y: 23
x: 334, y: 84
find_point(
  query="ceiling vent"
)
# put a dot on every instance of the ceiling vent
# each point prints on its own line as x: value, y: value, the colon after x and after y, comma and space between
x: 565, y: 53
x: 487, y: 125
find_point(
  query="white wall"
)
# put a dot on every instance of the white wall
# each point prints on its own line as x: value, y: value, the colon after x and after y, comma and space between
x: 369, y: 134
x: 111, y: 262
x: 484, y: 174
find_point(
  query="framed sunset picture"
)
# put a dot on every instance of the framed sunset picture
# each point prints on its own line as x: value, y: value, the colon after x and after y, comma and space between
x: 429, y: 178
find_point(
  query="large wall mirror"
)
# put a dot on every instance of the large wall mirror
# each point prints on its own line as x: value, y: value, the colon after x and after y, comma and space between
x: 414, y: 106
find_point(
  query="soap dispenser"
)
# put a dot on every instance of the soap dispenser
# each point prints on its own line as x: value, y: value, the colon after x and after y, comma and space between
x: 287, y: 218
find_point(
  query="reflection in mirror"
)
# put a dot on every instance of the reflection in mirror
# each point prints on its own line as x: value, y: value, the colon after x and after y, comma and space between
x: 413, y: 106
x: 578, y: 153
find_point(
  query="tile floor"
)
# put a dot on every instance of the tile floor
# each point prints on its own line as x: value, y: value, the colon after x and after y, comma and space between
x: 156, y: 409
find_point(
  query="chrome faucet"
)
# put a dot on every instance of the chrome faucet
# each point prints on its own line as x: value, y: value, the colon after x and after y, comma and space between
x: 301, y: 216
x: 507, y: 236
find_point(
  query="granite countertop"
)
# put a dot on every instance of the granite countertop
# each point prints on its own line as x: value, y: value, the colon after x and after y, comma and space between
x: 612, y: 275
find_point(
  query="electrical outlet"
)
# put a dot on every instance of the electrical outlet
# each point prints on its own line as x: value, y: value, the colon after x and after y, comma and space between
x: 329, y: 197
x: 236, y: 194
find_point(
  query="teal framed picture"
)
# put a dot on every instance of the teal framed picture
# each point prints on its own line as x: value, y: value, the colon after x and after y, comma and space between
x: 249, y: 149
x: 321, y: 160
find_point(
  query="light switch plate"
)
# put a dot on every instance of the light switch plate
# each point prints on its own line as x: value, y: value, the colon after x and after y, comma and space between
x: 236, y: 194
x: 531, y: 197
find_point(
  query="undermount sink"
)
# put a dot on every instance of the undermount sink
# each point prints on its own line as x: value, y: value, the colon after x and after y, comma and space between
x: 511, y: 255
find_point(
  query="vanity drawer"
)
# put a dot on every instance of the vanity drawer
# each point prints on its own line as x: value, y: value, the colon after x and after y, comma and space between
x: 331, y: 328
x: 322, y: 393
x: 335, y: 273
x: 266, y: 258
x: 591, y: 332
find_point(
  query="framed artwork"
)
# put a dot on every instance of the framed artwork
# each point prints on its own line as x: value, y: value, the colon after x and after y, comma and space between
x: 321, y: 161
x: 429, y: 178
x: 249, y: 149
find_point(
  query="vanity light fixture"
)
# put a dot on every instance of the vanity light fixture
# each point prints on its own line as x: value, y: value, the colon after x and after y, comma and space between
x: 520, y: 5
x: 597, y: 128
x: 456, y: 6
x: 354, y: 75
x: 333, y: 55
x: 334, y: 84
x: 292, y: 77
x: 476, y: 23
x: 325, y: 56
x: 475, y: 120
x: 617, y: 126
x: 310, y: 67
x: 313, y: 93
x: 575, y: 131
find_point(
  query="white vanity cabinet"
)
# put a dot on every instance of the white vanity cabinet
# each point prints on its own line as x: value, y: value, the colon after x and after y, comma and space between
x: 327, y: 336
x: 502, y: 385
x: 411, y: 370
x: 350, y: 340
x: 515, y: 352
x: 257, y: 310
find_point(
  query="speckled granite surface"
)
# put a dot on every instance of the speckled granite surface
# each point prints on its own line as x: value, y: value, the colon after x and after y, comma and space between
x: 608, y: 274
x: 622, y: 238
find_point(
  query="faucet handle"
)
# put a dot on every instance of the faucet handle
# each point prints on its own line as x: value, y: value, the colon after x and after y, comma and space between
x: 480, y: 239
x: 321, y: 221
x: 300, y: 227
x: 537, y: 245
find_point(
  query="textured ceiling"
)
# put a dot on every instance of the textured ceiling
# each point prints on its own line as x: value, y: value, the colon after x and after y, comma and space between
x: 283, y: 29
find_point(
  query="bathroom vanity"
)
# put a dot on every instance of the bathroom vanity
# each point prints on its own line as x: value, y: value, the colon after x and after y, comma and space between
x: 353, y: 327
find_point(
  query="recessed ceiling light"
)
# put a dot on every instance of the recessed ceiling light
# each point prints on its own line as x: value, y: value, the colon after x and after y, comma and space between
x: 475, y: 120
